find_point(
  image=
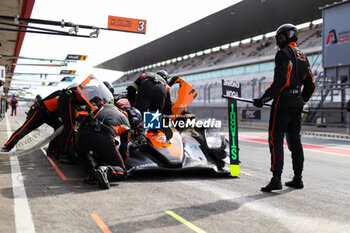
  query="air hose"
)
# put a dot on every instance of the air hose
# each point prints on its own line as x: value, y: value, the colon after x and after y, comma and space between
x: 35, y: 147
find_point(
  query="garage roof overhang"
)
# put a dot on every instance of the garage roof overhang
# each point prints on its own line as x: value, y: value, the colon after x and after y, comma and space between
x: 11, y: 42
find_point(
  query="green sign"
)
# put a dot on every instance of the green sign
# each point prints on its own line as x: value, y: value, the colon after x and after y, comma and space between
x: 233, y: 130
x: 231, y: 89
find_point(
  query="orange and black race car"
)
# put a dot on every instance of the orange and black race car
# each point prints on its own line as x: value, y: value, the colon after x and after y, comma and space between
x: 197, y: 146
x: 193, y: 145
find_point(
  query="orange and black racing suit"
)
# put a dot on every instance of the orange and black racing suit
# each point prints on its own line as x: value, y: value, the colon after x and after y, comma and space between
x: 68, y: 101
x: 44, y: 111
x: 97, y: 135
x: 292, y: 72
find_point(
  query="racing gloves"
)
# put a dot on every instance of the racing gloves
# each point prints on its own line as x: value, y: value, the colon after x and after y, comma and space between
x: 259, y: 102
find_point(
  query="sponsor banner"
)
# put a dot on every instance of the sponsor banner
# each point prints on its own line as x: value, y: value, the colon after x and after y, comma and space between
x: 68, y: 79
x: 52, y: 84
x: 336, y: 35
x: 127, y: 24
x: 75, y: 57
x: 251, y: 114
x: 67, y: 71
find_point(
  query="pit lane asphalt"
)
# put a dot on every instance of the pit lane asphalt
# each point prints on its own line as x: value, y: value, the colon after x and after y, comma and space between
x: 211, y: 203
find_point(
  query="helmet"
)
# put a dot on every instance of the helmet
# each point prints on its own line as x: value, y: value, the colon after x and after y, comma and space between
x: 38, y: 98
x: 286, y: 34
x: 109, y: 86
x: 135, y: 117
x: 123, y: 104
x: 163, y: 74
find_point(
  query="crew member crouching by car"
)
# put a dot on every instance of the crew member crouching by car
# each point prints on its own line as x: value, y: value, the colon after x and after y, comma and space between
x: 98, y: 135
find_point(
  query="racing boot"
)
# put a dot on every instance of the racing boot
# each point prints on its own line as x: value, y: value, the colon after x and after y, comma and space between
x: 275, y: 184
x: 4, y: 150
x: 90, y: 178
x: 102, y: 177
x: 296, y: 183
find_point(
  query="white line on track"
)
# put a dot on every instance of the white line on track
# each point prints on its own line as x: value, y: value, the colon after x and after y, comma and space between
x: 23, y: 216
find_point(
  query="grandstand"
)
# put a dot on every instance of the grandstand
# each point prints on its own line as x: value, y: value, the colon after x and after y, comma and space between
x: 242, y: 62
x: 249, y: 60
x: 310, y: 40
x: 251, y: 63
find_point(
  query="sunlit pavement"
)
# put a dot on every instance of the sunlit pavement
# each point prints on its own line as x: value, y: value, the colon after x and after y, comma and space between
x: 59, y: 201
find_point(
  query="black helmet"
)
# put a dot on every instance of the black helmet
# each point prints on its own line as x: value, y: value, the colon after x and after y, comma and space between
x: 109, y: 86
x: 38, y: 97
x: 286, y: 34
x: 163, y: 74
x: 135, y: 117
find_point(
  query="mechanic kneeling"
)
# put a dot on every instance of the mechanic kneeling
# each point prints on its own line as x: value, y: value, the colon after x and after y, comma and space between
x: 98, y: 135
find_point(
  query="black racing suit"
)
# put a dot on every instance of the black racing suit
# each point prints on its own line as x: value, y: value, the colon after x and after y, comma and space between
x: 44, y: 111
x: 68, y: 101
x: 153, y: 93
x: 97, y: 134
x: 292, y: 72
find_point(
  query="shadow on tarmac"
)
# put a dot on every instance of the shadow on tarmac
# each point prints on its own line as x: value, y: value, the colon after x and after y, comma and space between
x: 41, y: 179
x: 193, y: 213
x: 169, y: 175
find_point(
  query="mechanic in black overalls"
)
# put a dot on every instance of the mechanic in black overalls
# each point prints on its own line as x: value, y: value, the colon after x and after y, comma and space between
x: 292, y: 72
x: 42, y: 111
x: 150, y: 92
x: 97, y: 134
x: 68, y: 101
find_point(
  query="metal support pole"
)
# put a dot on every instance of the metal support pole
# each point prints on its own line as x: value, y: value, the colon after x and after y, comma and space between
x: 322, y: 89
x: 208, y: 91
x: 253, y: 86
x: 260, y: 81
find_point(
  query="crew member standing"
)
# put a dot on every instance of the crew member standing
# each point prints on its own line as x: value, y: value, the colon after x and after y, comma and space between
x: 67, y: 103
x: 14, y: 103
x: 292, y: 72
